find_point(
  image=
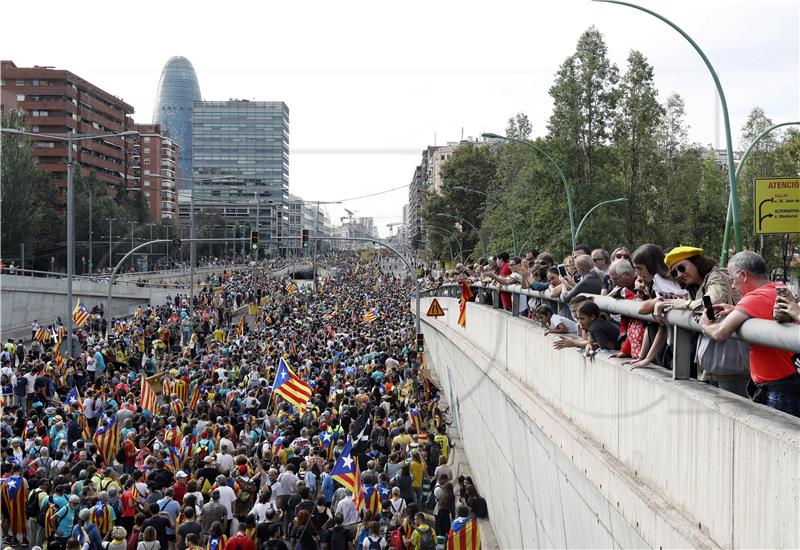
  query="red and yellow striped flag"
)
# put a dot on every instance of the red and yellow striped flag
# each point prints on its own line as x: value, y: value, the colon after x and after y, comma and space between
x: 147, y: 397
x: 465, y: 534
x: 107, y: 440
x: 15, y: 494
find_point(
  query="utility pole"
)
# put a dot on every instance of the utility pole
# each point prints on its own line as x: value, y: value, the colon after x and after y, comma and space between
x: 258, y: 222
x: 91, y: 264
x: 110, y: 254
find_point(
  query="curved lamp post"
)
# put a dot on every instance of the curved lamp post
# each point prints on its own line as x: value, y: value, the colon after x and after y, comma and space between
x: 560, y: 175
x: 483, y: 245
x: 444, y: 235
x: 502, y: 205
x: 733, y: 202
x: 723, y: 259
x: 577, y: 231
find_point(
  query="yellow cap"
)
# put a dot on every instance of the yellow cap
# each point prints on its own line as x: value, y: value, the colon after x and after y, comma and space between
x: 681, y: 253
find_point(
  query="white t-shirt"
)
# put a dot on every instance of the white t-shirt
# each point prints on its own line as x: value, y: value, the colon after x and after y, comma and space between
x: 570, y: 325
x: 665, y: 286
x: 226, y: 498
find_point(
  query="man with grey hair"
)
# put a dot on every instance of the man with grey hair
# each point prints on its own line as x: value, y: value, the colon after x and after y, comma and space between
x: 777, y: 383
x: 623, y: 277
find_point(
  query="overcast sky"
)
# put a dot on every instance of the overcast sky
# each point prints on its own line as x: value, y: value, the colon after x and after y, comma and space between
x: 369, y: 85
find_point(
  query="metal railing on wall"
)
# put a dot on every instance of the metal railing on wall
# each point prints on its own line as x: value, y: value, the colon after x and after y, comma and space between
x: 785, y: 336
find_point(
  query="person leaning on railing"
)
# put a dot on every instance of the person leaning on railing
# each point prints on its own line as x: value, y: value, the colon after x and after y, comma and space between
x: 725, y: 365
x: 776, y: 382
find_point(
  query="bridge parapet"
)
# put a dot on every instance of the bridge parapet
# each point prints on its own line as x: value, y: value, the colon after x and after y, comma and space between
x: 574, y: 452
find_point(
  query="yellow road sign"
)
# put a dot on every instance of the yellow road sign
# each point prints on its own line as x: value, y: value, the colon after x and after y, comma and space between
x: 777, y: 205
x: 435, y: 310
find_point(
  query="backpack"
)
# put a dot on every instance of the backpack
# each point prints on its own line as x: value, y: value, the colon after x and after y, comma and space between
x: 21, y: 387
x: 379, y: 438
x: 374, y: 544
x: 308, y: 419
x: 396, y: 540
x: 430, y: 503
x: 32, y: 507
x: 426, y: 540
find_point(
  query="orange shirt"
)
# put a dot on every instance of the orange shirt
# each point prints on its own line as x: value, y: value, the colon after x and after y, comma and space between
x: 766, y: 364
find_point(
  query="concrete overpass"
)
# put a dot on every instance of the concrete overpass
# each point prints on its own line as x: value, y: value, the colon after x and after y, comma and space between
x: 577, y: 453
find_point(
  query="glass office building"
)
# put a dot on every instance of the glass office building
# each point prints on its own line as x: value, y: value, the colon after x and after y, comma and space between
x: 248, y: 142
x: 177, y: 91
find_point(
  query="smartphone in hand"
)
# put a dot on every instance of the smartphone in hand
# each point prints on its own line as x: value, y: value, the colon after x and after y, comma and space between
x: 709, y: 307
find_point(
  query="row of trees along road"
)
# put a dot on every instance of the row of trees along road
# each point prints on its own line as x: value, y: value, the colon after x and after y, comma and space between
x: 613, y: 138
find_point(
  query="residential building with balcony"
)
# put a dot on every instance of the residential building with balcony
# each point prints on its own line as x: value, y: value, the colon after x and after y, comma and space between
x: 57, y: 102
x: 154, y: 152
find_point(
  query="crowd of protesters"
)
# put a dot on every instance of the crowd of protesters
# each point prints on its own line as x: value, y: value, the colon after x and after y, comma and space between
x: 684, y: 278
x: 167, y: 432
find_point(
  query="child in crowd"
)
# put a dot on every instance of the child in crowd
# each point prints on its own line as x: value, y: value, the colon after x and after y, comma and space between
x: 553, y: 323
x: 602, y: 334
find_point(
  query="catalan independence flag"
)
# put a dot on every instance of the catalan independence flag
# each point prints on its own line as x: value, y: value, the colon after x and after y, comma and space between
x: 79, y: 314
x: 107, y: 439
x: 358, y: 493
x: 240, y: 327
x: 147, y: 397
x: 289, y: 386
x: 14, y: 496
x: 372, y: 499
x: 465, y: 534
x: 84, y: 424
x: 43, y: 335
x: 466, y: 296
x: 74, y: 400
x: 103, y: 516
x: 413, y: 416
x: 370, y: 316
x: 182, y: 390
x: 195, y: 400
x: 344, y: 471
x: 327, y: 439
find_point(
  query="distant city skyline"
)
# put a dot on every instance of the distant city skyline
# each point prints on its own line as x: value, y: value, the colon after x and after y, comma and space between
x: 367, y: 98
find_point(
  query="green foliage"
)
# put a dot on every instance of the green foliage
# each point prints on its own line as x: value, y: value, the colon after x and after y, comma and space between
x: 613, y: 138
x: 28, y: 210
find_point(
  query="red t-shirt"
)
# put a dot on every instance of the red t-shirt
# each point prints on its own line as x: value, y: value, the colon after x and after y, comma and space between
x: 180, y: 490
x: 505, y: 297
x: 766, y: 364
x: 128, y: 506
x: 240, y: 542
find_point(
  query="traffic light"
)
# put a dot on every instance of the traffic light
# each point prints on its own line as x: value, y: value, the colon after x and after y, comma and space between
x: 304, y: 238
x: 253, y: 239
x: 420, y: 343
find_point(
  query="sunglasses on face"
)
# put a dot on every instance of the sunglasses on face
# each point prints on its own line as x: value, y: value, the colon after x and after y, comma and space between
x: 680, y: 269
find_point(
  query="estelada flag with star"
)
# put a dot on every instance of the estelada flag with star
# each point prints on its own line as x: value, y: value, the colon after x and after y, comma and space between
x: 344, y: 471
x: 15, y: 493
x: 464, y: 535
x: 326, y: 441
x: 289, y: 386
x: 74, y: 400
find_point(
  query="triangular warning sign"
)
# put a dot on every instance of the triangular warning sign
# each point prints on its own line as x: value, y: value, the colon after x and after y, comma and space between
x: 435, y: 310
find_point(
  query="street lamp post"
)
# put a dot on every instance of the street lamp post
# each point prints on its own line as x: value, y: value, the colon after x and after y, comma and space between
x: 560, y: 175
x: 577, y: 231
x: 110, y: 253
x: 503, y: 206
x: 483, y: 245
x: 733, y: 201
x: 90, y: 231
x: 69, y: 138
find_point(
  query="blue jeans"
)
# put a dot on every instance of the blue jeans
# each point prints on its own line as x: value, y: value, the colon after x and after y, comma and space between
x: 785, y: 402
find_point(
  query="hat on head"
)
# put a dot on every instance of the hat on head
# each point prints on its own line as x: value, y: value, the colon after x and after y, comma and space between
x: 209, y: 459
x: 180, y: 474
x: 681, y: 253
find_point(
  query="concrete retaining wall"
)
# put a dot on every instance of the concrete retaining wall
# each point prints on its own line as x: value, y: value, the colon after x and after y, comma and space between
x: 27, y: 298
x: 578, y: 453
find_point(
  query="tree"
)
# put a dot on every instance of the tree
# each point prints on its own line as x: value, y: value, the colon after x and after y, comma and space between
x: 635, y: 124
x: 584, y: 99
x: 519, y: 126
x: 472, y: 167
x: 29, y: 199
x: 672, y: 136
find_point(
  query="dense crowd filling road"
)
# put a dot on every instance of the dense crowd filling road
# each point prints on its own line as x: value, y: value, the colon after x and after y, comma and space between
x: 264, y: 417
